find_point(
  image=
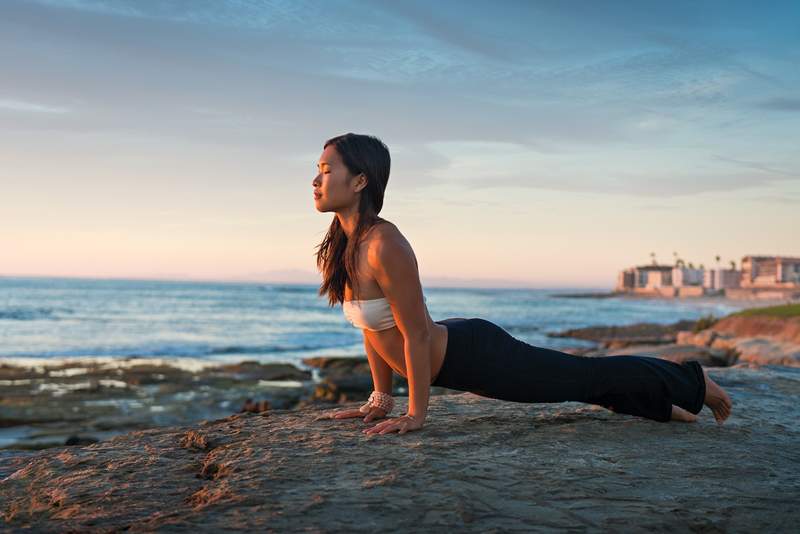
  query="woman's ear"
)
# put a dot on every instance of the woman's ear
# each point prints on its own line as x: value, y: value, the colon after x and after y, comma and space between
x: 361, y: 181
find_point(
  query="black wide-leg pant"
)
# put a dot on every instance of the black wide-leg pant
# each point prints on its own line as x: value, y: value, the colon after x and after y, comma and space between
x: 484, y: 359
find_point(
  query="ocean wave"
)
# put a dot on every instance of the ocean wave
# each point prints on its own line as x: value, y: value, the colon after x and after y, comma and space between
x: 192, y: 365
x: 166, y: 350
x: 31, y: 313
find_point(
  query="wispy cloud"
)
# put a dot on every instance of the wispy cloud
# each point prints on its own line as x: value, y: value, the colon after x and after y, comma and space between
x: 440, y: 26
x: 237, y: 13
x: 30, y: 107
x: 612, y: 170
x: 792, y: 200
x: 781, y: 104
x: 758, y: 166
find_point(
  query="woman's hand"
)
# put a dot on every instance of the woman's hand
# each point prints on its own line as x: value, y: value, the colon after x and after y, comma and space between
x: 402, y: 424
x: 374, y: 413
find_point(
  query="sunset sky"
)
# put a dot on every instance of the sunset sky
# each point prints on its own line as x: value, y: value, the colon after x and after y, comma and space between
x: 539, y: 143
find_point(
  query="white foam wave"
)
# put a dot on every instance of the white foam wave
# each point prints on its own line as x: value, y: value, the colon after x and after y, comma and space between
x: 192, y: 365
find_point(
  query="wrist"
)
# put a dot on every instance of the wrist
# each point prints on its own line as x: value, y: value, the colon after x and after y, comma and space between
x: 378, y: 399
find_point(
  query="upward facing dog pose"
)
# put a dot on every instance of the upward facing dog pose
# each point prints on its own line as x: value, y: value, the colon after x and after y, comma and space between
x: 370, y: 268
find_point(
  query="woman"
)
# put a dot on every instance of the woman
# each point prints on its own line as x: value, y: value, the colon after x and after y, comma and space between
x: 370, y: 268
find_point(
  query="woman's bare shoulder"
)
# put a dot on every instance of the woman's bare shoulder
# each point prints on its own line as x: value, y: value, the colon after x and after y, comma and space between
x: 388, y: 242
x: 386, y: 232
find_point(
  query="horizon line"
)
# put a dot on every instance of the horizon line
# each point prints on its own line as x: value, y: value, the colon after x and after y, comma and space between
x: 509, y: 284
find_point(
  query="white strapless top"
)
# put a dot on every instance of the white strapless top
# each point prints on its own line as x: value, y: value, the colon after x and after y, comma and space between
x: 371, y: 314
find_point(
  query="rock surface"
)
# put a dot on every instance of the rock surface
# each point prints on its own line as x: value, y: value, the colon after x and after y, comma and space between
x: 623, y: 336
x: 478, y: 465
x: 47, y: 405
x: 673, y: 352
x: 79, y: 402
x: 757, y: 339
x: 778, y: 328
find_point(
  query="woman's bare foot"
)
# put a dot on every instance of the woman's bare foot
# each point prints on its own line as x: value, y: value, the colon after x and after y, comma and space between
x: 679, y: 414
x: 716, y: 399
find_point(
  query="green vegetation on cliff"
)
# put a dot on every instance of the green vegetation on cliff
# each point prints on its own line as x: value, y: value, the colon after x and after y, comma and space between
x: 783, y: 310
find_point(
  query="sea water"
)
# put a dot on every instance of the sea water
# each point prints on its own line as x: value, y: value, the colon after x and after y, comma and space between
x: 191, y: 324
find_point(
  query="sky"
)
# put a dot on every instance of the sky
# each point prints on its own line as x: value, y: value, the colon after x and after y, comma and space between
x: 533, y: 143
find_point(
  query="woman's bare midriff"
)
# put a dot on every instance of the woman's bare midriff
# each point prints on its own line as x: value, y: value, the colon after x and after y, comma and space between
x: 389, y: 344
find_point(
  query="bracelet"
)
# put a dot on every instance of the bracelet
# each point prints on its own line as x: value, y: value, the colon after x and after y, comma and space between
x: 378, y: 399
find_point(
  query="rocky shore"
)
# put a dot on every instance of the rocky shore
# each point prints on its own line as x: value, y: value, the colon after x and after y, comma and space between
x: 478, y: 465
x: 753, y: 336
x: 81, y: 402
x: 77, y: 403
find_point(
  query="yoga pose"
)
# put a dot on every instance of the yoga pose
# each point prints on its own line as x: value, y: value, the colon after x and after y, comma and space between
x: 370, y: 268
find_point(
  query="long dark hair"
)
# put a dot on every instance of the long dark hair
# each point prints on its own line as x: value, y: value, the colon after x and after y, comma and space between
x: 337, y: 255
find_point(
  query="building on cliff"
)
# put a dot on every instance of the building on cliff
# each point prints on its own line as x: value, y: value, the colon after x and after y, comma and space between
x: 770, y: 272
x: 760, y: 276
x: 769, y: 277
x: 663, y: 280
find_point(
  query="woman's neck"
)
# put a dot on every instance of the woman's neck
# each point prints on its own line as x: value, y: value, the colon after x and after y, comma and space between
x: 348, y: 221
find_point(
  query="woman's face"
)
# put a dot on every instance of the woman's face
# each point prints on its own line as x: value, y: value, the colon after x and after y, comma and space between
x: 334, y: 188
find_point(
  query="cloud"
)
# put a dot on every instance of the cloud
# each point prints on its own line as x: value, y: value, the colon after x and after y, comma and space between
x: 234, y: 13
x: 758, y: 166
x: 612, y: 170
x: 30, y: 107
x: 462, y: 35
x: 779, y: 199
x: 781, y: 104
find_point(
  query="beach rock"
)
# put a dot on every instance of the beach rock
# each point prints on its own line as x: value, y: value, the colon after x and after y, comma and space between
x: 250, y: 370
x: 777, y: 328
x: 756, y: 339
x: 337, y: 364
x: 723, y: 342
x: 673, y: 352
x: 47, y: 405
x: 518, y: 467
x: 623, y: 336
x: 767, y: 351
x: 254, y: 407
x: 704, y: 338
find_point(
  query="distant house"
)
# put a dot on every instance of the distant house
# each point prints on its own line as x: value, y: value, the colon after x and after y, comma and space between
x: 661, y: 280
x: 675, y: 281
x: 720, y: 279
x: 771, y: 272
x: 761, y: 276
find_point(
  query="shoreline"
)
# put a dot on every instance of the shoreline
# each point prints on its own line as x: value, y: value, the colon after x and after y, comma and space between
x: 49, y: 402
x: 754, y: 302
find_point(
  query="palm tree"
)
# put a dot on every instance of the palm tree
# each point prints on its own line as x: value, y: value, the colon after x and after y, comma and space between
x: 653, y: 257
x: 733, y: 265
x: 675, y: 255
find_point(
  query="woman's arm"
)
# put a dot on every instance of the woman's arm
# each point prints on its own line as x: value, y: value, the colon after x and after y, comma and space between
x: 395, y: 270
x: 381, y: 371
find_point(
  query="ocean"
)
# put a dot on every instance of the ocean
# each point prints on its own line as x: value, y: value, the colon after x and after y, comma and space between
x: 199, y: 323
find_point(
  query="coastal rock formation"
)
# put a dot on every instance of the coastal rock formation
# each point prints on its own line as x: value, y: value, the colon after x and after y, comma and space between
x: 623, y: 336
x: 673, y: 352
x: 83, y: 402
x: 45, y: 406
x: 764, y: 351
x: 478, y: 464
x: 778, y: 328
x: 762, y: 340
